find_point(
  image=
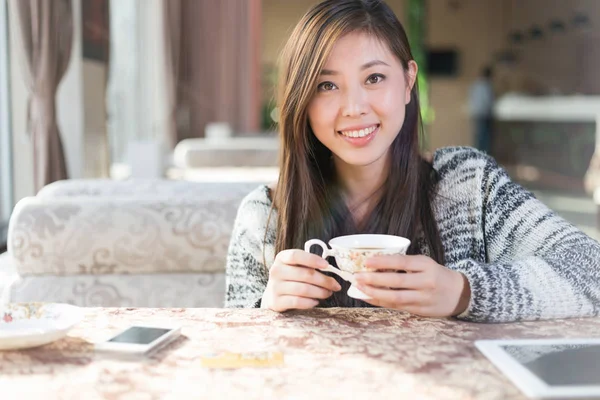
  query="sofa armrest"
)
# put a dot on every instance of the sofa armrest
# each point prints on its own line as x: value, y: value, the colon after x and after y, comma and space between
x: 123, y: 235
x: 142, y: 188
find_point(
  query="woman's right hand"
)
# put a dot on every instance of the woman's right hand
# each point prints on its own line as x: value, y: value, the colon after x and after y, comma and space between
x: 295, y: 283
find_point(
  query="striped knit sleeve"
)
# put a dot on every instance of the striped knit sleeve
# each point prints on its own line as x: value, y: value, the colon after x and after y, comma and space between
x: 246, y: 274
x: 538, y: 265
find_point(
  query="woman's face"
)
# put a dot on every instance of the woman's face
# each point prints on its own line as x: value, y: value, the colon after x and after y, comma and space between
x: 359, y: 105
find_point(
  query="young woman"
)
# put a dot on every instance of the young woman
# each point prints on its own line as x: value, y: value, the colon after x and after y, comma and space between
x: 483, y: 248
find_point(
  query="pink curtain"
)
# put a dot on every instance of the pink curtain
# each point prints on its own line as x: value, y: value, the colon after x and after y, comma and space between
x: 172, y: 19
x: 221, y: 49
x: 46, y: 33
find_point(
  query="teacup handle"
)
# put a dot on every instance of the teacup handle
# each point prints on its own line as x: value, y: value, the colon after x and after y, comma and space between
x: 321, y: 244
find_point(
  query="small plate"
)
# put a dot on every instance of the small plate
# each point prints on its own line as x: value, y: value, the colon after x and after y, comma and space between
x: 25, y: 325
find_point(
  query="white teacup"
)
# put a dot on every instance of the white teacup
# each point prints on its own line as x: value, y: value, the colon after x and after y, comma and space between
x: 352, y: 251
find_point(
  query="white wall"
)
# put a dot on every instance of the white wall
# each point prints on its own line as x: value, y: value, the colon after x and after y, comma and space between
x: 69, y: 112
x: 122, y: 77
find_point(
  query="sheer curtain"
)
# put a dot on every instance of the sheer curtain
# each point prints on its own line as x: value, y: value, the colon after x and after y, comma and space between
x: 45, y: 33
x: 141, y: 95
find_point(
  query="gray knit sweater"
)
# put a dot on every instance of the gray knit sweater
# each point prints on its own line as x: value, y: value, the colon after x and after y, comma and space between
x: 523, y: 262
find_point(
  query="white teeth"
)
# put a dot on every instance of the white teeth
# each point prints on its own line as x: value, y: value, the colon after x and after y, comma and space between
x: 360, y: 133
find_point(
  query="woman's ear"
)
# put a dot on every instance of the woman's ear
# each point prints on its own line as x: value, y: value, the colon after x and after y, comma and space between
x: 411, y: 78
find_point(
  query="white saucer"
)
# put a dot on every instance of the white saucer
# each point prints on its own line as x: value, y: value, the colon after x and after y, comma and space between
x: 357, y: 294
x: 25, y: 325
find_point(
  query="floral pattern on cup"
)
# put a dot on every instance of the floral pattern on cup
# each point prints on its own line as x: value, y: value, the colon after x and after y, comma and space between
x: 355, y: 260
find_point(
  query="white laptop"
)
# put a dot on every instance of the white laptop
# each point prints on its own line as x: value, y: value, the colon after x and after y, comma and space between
x: 548, y: 368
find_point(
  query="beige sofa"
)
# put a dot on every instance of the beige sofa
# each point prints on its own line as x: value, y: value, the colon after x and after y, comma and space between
x: 153, y: 243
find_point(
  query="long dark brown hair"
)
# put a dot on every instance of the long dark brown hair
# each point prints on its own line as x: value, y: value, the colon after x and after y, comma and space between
x: 307, y: 198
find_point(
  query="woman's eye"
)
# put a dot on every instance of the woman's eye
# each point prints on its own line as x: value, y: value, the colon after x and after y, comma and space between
x: 375, y: 78
x: 326, y: 86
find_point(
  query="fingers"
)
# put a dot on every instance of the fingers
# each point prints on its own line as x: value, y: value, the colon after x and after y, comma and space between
x: 283, y: 272
x: 300, y: 257
x: 414, y: 281
x: 427, y: 289
x: 296, y: 283
x: 399, y: 262
x: 300, y: 289
x: 287, y: 302
x: 400, y: 299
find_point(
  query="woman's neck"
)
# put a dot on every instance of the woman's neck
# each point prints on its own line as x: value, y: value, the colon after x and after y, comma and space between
x: 361, y: 184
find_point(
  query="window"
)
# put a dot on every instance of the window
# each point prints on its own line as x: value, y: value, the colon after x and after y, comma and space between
x: 6, y: 195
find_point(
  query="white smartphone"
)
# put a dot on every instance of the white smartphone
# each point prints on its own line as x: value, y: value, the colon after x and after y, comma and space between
x: 139, y: 340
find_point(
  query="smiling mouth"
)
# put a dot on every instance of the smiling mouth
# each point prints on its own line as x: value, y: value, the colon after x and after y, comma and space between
x: 359, y: 133
x: 361, y: 136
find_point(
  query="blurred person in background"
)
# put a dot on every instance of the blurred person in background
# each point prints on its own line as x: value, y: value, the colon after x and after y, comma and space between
x: 481, y: 104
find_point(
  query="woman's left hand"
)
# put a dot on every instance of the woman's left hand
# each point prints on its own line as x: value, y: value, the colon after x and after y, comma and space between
x: 427, y: 288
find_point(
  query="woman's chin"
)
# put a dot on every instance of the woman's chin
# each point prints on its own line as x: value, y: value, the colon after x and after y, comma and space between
x: 359, y: 160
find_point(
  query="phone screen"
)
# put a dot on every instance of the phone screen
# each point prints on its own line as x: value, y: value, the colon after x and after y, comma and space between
x: 139, y: 335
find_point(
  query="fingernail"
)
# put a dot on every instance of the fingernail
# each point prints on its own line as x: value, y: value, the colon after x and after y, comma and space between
x: 323, y: 263
x: 338, y: 286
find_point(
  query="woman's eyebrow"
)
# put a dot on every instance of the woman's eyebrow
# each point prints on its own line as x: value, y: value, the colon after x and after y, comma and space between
x: 363, y: 67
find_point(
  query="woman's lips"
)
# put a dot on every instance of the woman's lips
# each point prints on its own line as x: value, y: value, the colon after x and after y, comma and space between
x: 361, y: 141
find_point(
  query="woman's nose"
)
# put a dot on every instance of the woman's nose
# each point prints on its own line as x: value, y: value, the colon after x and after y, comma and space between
x: 354, y: 104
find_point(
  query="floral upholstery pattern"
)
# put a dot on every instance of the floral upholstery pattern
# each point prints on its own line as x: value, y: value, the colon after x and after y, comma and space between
x: 120, y: 228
